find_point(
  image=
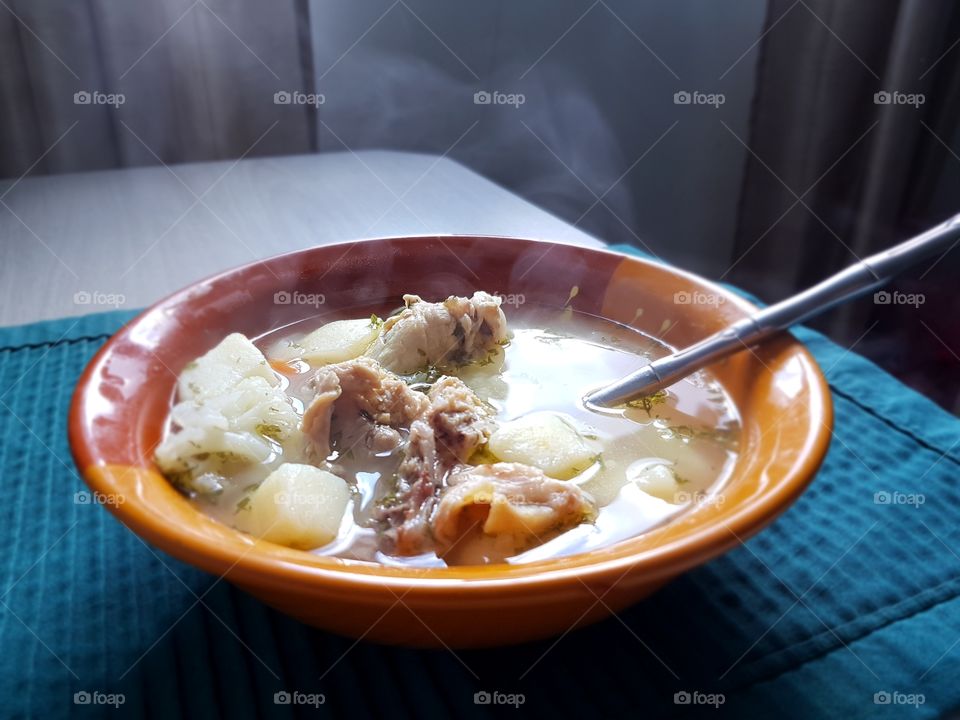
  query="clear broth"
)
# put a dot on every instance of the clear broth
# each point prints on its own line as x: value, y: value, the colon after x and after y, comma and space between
x: 552, y: 361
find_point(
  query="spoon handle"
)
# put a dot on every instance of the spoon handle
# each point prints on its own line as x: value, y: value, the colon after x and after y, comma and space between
x: 852, y: 282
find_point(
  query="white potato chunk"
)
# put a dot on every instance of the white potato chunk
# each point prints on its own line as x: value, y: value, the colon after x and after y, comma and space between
x: 300, y: 506
x: 655, y: 479
x: 241, y: 426
x: 334, y: 342
x: 546, y: 440
x: 219, y: 371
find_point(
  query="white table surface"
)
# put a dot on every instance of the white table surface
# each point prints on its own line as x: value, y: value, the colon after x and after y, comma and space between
x: 80, y: 243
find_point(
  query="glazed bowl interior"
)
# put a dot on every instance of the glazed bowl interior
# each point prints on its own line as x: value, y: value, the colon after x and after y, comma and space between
x: 124, y: 397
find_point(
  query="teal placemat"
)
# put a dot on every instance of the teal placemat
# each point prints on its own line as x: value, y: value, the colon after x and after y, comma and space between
x: 843, y: 598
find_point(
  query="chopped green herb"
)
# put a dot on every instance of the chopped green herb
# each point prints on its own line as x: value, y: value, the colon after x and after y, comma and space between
x: 183, y: 481
x: 491, y: 357
x: 226, y: 456
x: 684, y: 432
x: 270, y: 431
x: 598, y: 458
x: 483, y: 456
x: 389, y: 500
x: 648, y: 402
x: 423, y: 378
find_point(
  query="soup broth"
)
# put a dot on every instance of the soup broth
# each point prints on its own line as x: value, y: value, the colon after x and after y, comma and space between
x: 647, y: 461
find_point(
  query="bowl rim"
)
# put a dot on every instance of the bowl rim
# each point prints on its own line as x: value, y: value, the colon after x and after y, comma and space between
x: 650, y: 564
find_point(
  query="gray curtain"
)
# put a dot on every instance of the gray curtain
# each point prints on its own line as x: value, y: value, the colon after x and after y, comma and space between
x: 198, y: 77
x: 834, y: 175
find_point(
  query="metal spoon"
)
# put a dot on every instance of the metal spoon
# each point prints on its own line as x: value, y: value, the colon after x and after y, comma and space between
x: 847, y: 284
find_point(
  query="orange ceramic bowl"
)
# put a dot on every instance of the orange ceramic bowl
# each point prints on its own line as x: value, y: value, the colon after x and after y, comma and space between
x: 123, y: 398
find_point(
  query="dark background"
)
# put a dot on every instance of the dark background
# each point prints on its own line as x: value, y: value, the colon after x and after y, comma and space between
x: 800, y: 171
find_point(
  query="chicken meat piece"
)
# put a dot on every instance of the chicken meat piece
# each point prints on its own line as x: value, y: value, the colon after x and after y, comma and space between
x: 442, y: 335
x: 360, y: 397
x: 455, y: 425
x: 508, y: 499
